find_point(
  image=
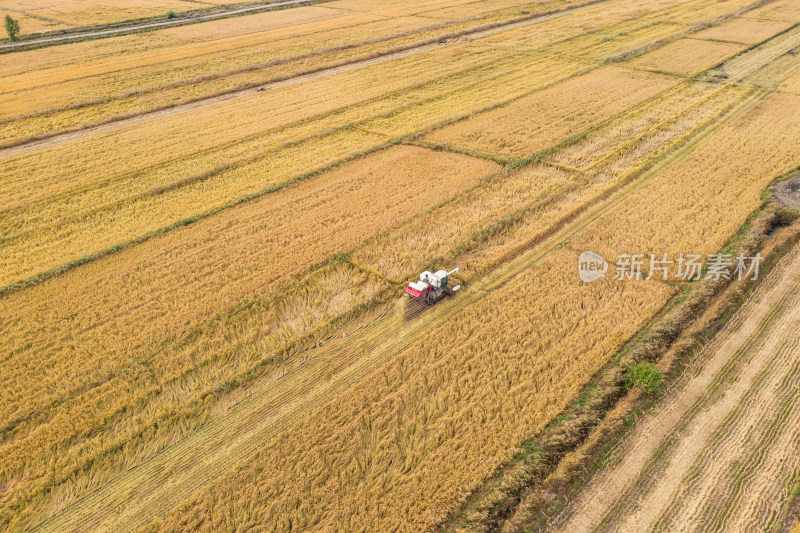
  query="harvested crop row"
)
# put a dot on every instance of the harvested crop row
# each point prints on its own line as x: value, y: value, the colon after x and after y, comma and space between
x: 530, y: 124
x: 777, y: 72
x: 543, y: 194
x: 707, y: 196
x: 189, y: 370
x: 687, y: 56
x: 753, y: 453
x: 407, y: 461
x: 622, y: 135
x: 149, y: 293
x: 611, y: 167
x: 405, y: 444
x: 53, y: 232
x: 88, y: 12
x: 82, y: 164
x: 745, y: 30
x: 748, y: 64
x: 657, y: 461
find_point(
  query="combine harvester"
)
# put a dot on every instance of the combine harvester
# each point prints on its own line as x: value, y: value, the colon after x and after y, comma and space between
x: 431, y: 287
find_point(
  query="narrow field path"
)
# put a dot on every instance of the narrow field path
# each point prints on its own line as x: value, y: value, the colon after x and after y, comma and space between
x: 138, y: 496
x: 173, y: 22
x: 105, y: 128
x: 719, y: 453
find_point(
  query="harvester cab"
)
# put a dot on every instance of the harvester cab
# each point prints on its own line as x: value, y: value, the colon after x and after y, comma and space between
x: 432, y: 286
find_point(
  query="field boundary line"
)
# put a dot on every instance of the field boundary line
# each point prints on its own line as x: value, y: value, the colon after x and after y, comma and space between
x: 725, y: 373
x: 353, y: 362
x: 24, y: 146
x: 729, y: 375
x: 21, y: 46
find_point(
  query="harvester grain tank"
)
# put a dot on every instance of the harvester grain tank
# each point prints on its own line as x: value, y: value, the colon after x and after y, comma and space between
x: 432, y: 286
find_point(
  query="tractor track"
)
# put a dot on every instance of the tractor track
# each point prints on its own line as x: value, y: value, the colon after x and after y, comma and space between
x: 708, y: 457
x: 147, y: 491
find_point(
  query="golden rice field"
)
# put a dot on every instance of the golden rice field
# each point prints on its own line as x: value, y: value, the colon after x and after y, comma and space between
x: 206, y: 230
x: 90, y: 12
x: 687, y: 56
x: 130, y: 78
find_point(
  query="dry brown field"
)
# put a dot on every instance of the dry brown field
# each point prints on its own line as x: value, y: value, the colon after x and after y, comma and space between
x: 206, y: 230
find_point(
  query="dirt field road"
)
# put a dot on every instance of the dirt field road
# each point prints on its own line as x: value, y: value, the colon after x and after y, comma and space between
x: 721, y: 452
x: 144, y: 493
x: 139, y: 27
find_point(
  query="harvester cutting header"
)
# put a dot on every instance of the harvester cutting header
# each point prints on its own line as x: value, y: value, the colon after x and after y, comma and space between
x: 431, y: 286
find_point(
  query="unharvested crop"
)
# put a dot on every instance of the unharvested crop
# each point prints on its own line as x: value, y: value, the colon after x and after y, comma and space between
x: 696, y: 205
x: 380, y: 455
x: 219, y: 284
x: 189, y: 71
x: 687, y: 56
x: 403, y: 251
x: 151, y: 208
x: 191, y: 369
x: 530, y: 124
x: 791, y: 85
x: 156, y: 291
x: 530, y: 74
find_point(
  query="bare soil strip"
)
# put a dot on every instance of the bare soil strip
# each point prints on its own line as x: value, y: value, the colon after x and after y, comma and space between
x: 718, y: 453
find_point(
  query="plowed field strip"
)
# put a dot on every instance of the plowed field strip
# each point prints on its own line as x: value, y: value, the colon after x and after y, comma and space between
x: 626, y: 494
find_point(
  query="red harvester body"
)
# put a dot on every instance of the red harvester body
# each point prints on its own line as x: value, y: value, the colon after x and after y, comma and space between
x: 431, y: 286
